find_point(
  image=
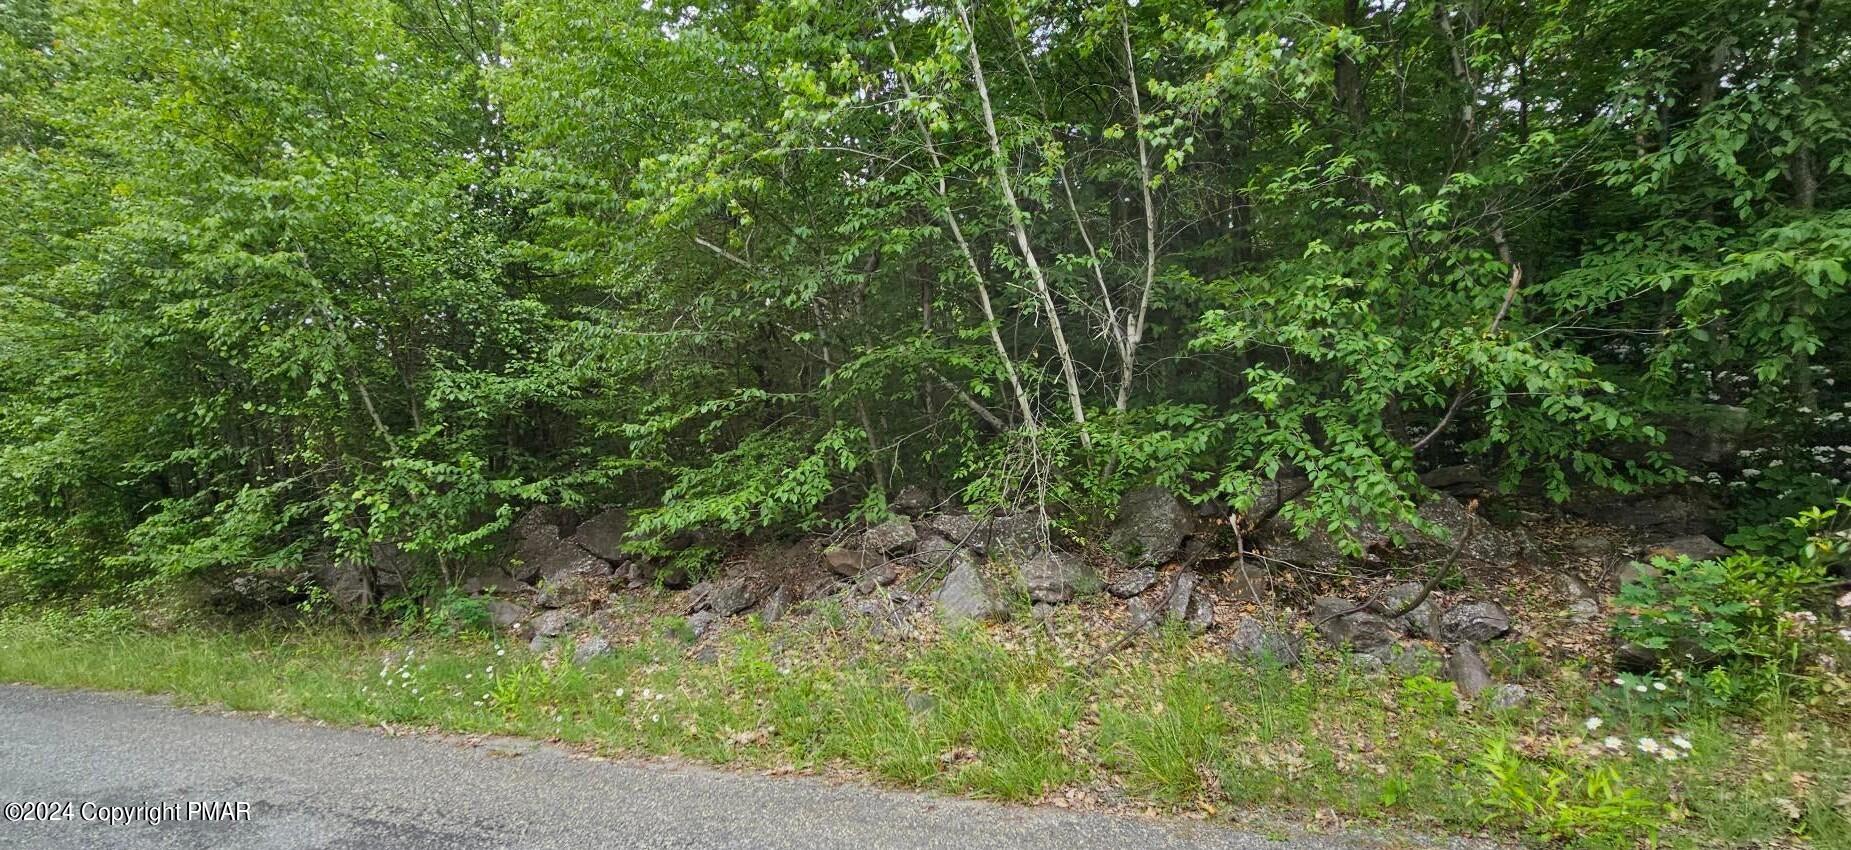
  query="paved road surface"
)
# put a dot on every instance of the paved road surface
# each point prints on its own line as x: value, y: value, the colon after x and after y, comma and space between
x: 312, y: 786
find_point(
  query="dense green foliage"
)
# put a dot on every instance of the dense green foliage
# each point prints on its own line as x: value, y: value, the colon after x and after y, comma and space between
x: 283, y: 279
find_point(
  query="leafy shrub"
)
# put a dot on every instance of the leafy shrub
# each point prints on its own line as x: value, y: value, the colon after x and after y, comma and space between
x: 1593, y: 809
x: 1745, y: 618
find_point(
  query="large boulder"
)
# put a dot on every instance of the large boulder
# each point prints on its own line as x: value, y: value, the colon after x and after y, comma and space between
x: 1422, y: 621
x: 1151, y: 525
x: 1255, y: 642
x: 543, y: 554
x: 1359, y: 630
x: 1055, y: 577
x: 603, y: 535
x: 1474, y: 622
x: 965, y: 597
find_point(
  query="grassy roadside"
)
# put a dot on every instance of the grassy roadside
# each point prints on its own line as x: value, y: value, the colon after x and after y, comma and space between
x: 1009, y: 714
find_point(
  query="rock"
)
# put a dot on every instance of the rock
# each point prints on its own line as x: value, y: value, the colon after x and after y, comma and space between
x: 959, y: 530
x: 1017, y: 537
x: 701, y: 622
x: 347, y: 585
x: 890, y: 538
x: 543, y: 520
x: 1055, y: 577
x: 1707, y: 438
x: 505, y: 614
x: 490, y: 579
x: 1255, y: 642
x: 589, y: 647
x: 1359, y: 630
x: 603, y: 535
x: 1474, y: 622
x: 1509, y: 696
x: 918, y: 702
x: 1467, y: 671
x: 1412, y: 660
x: 1129, y: 583
x: 1423, y: 621
x: 544, y: 556
x: 1201, y: 614
x: 1144, y: 618
x: 1151, y: 525
x: 1583, y: 611
x: 1250, y: 583
x: 1462, y: 479
x: 1633, y: 572
x: 1696, y: 547
x: 964, y: 597
x: 551, y: 623
x: 725, y: 597
x: 1572, y: 587
x: 1318, y: 549
x: 1269, y: 496
x: 847, y: 562
x: 1041, y: 611
x: 912, y: 499
x: 1633, y: 658
x: 1667, y: 514
x: 570, y: 589
x: 1591, y: 546
x: 1366, y: 663
x: 775, y: 606
x: 1176, y: 601
x: 1488, y: 545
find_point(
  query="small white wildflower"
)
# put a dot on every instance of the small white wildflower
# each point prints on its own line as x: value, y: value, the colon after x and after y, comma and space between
x: 1592, y: 723
x: 469, y: 675
x: 1669, y: 755
x: 489, y: 669
x: 620, y: 693
x: 1648, y: 745
x: 404, y: 675
x: 655, y: 718
x: 1612, y: 743
x: 1639, y: 688
x: 1680, y: 742
x: 1618, y: 681
x: 1658, y: 686
x: 501, y: 652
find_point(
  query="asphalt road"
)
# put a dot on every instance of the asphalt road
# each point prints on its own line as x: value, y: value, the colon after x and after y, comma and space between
x: 315, y: 786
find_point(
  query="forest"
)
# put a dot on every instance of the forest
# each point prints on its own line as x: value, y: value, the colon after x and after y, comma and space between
x: 283, y: 281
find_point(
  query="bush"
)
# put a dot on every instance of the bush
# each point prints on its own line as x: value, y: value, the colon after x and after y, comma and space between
x: 1747, y: 618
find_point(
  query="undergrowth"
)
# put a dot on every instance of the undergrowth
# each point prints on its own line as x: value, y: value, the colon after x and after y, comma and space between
x: 1008, y: 716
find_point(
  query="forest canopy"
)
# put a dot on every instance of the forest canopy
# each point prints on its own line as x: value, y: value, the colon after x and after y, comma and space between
x: 283, y: 280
